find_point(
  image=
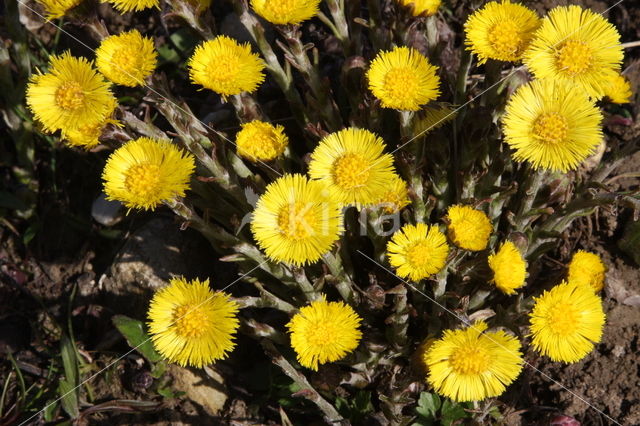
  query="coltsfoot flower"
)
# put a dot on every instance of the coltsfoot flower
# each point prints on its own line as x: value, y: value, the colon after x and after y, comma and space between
x: 192, y: 325
x: 70, y: 95
x: 587, y: 269
x: 566, y: 322
x: 509, y: 268
x: 501, y: 31
x: 353, y: 166
x: 324, y: 332
x: 468, y: 228
x: 87, y: 137
x: 403, y: 79
x: 618, y: 89
x: 127, y: 58
x: 144, y: 172
x: 418, y: 251
x: 422, y: 7
x: 473, y: 364
x: 296, y: 221
x: 396, y: 197
x: 57, y: 8
x: 226, y: 67
x: 124, y: 6
x: 575, y: 46
x: 552, y: 125
x: 260, y: 141
x: 432, y: 117
x: 286, y: 12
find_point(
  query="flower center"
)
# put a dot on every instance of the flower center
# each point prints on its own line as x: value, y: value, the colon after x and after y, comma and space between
x: 505, y: 39
x: 574, y: 57
x: 551, y: 128
x: 400, y: 84
x: 563, y: 319
x: 351, y: 171
x: 470, y: 360
x: 297, y: 220
x: 323, y: 333
x: 124, y: 60
x: 418, y: 255
x: 225, y: 68
x: 69, y: 96
x: 189, y: 320
x: 264, y: 144
x: 142, y: 180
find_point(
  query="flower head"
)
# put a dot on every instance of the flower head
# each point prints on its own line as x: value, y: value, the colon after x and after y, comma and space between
x: 566, y: 322
x: 70, y: 95
x: 552, y: 125
x: 352, y: 164
x: 127, y: 58
x: 192, y: 325
x: 57, y: 8
x: 260, y: 141
x: 295, y: 220
x: 576, y: 46
x: 587, y: 269
x: 468, y: 228
x: 403, y: 79
x: 501, y: 31
x: 144, y: 172
x: 432, y: 117
x: 509, y: 268
x: 396, y: 197
x: 286, y: 12
x: 124, y: 6
x: 324, y: 332
x: 422, y: 7
x: 473, y: 364
x: 237, y: 69
x: 87, y: 136
x: 618, y: 89
x: 418, y: 251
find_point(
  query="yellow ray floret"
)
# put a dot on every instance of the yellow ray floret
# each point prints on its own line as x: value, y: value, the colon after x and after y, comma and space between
x: 353, y: 166
x: 552, y: 125
x: 226, y: 67
x: 473, y: 364
x: 618, y: 89
x: 418, y: 251
x: 566, y: 322
x: 501, y: 31
x: 576, y: 46
x: 509, y: 268
x: 396, y: 197
x: 587, y: 269
x: 192, y: 325
x: 286, y: 11
x: 432, y: 117
x: 296, y: 221
x: 70, y: 95
x: 87, y: 137
x: 422, y: 7
x: 145, y: 172
x: 124, y: 6
x: 403, y: 79
x: 468, y: 228
x: 324, y: 332
x: 127, y: 58
x: 260, y: 141
x: 57, y: 8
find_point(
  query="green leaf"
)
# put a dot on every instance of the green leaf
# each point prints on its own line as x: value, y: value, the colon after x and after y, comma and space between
x: 451, y: 412
x: 428, y: 405
x: 133, y: 330
x: 49, y: 411
x: 69, y: 360
x: 68, y: 398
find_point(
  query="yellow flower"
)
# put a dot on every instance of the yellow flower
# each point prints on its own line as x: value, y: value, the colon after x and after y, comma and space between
x: 324, y: 332
x: 618, y: 89
x: 352, y: 164
x: 552, y: 125
x: 396, y: 196
x: 70, y: 95
x: 287, y: 11
x: 509, y: 268
x: 124, y: 6
x: 403, y: 79
x: 226, y: 67
x: 432, y: 117
x: 468, y: 228
x: 127, y: 58
x: 192, y: 325
x: 422, y: 7
x: 260, y: 141
x: 576, y: 46
x: 501, y: 31
x: 566, y: 322
x: 587, y: 269
x: 57, y: 8
x: 295, y: 220
x: 145, y: 172
x: 473, y: 364
x: 418, y: 251
x: 87, y: 136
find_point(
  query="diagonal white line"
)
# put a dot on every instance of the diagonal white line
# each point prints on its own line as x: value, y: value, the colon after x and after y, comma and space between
x: 150, y: 88
x: 470, y: 325
x: 133, y: 349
